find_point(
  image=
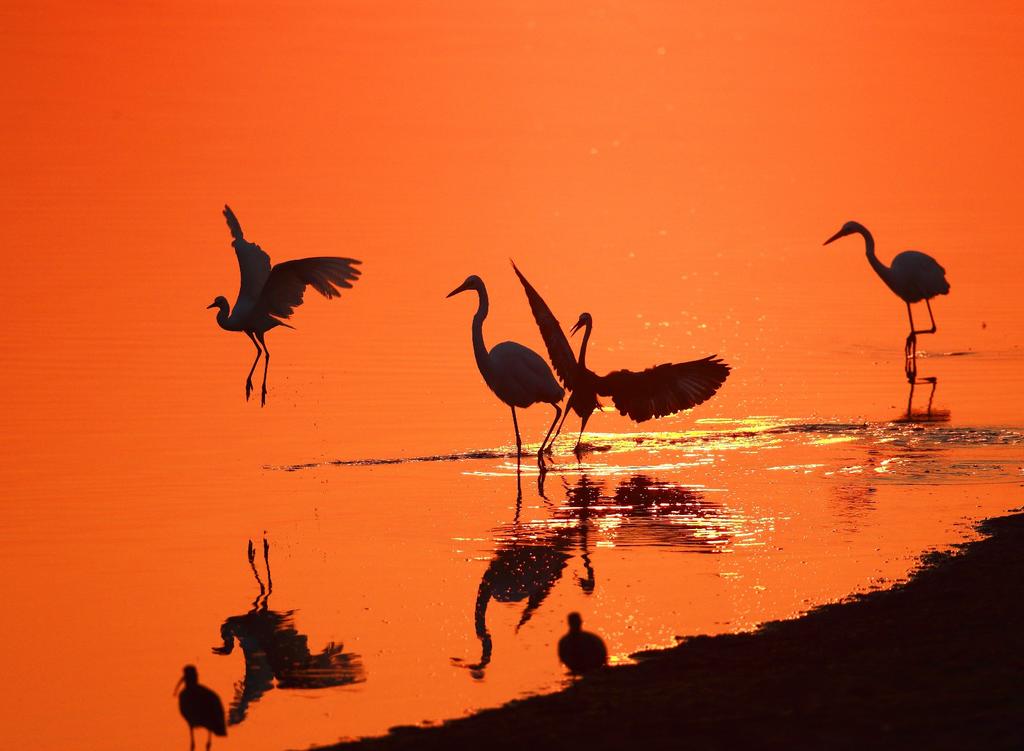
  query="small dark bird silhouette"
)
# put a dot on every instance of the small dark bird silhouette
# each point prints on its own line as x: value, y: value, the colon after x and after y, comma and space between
x: 269, y: 294
x: 579, y: 650
x: 913, y: 276
x: 654, y: 392
x: 200, y: 707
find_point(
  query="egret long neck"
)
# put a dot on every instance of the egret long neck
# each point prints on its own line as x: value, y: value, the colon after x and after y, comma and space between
x: 869, y: 249
x: 483, y: 360
x: 222, y: 316
x: 583, y: 346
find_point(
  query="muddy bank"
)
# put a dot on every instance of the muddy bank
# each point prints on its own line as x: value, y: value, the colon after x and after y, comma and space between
x: 937, y: 662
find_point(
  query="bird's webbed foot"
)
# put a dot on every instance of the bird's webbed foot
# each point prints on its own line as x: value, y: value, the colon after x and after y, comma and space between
x: 248, y: 388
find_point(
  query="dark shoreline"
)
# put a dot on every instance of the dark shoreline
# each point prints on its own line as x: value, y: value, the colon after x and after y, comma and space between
x: 936, y: 662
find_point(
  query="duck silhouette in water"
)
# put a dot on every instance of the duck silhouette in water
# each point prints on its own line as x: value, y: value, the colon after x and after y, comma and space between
x: 276, y: 653
x: 579, y: 650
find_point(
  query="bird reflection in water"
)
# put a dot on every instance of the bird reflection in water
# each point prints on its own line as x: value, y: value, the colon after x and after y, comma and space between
x: 523, y: 568
x: 275, y: 651
x: 929, y: 414
x: 531, y: 557
x: 645, y: 511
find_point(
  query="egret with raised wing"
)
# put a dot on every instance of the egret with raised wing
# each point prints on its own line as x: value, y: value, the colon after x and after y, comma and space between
x: 269, y: 294
x: 516, y: 374
x: 913, y: 276
x: 654, y: 392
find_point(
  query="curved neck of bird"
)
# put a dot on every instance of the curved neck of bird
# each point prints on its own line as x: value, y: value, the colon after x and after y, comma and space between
x: 222, y: 314
x: 583, y: 346
x: 479, y: 349
x: 869, y: 249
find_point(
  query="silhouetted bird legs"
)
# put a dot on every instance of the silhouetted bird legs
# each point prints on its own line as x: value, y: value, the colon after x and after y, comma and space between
x: 252, y: 565
x: 266, y: 365
x: 568, y: 409
x: 583, y: 426
x: 543, y: 445
x: 266, y: 562
x: 248, y: 379
x: 910, y: 399
x: 911, y: 347
x: 519, y: 441
x: 192, y: 739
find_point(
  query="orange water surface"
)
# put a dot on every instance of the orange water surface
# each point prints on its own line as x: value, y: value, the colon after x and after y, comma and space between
x: 671, y: 168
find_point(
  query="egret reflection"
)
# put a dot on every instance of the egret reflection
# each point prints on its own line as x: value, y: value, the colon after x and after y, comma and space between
x: 523, y: 568
x: 276, y: 653
x: 929, y: 413
x: 531, y: 557
x: 644, y: 511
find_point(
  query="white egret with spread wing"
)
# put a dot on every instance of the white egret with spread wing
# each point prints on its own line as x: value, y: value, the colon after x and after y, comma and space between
x: 654, y: 392
x: 268, y: 294
x: 516, y: 374
x: 913, y: 276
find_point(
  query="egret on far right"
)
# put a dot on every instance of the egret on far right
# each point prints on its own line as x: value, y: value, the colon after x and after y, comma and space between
x: 913, y: 276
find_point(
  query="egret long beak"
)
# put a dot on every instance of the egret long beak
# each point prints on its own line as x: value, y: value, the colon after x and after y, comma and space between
x: 177, y: 686
x: 457, y: 290
x: 836, y: 236
x: 211, y: 305
x: 575, y: 327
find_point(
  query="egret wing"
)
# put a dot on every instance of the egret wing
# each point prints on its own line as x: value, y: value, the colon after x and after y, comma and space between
x: 287, y: 282
x: 253, y: 262
x: 559, y: 349
x: 663, y: 389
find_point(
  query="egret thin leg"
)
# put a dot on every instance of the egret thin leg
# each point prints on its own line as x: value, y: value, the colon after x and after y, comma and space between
x: 266, y: 366
x: 934, y: 328
x: 568, y: 409
x: 910, y: 369
x: 519, y: 441
x: 910, y: 350
x: 248, y: 379
x: 191, y: 739
x: 583, y: 426
x: 209, y: 739
x: 558, y: 413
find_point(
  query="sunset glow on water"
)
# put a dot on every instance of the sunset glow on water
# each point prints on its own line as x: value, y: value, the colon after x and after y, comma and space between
x: 672, y: 171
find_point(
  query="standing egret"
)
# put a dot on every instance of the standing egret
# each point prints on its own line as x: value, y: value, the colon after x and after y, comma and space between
x: 579, y: 650
x: 200, y: 706
x: 267, y: 295
x: 516, y: 374
x: 913, y: 276
x: 655, y: 392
